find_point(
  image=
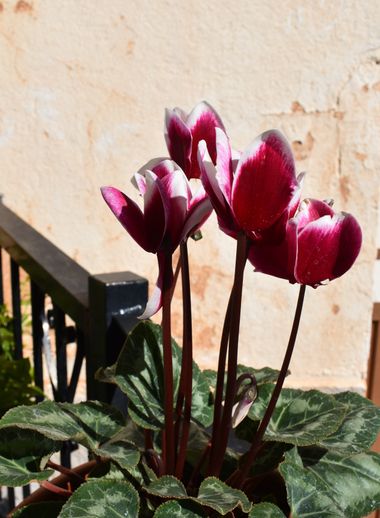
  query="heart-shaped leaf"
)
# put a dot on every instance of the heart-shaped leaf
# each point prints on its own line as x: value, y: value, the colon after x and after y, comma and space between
x: 266, y: 510
x: 167, y: 487
x: 90, y: 423
x: 212, y: 493
x: 18, y: 472
x: 22, y: 456
x: 331, y: 484
x: 219, y: 496
x: 300, y: 417
x: 179, y: 509
x: 139, y: 373
x: 102, y: 499
x: 123, y: 452
x: 360, y: 426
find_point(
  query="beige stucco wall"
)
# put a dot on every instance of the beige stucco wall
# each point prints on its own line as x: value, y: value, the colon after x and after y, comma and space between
x: 83, y: 87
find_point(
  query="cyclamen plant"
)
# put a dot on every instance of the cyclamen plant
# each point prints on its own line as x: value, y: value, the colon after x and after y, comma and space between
x: 231, y: 442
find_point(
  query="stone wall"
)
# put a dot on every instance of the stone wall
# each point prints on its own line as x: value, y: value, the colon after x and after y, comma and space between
x: 83, y: 88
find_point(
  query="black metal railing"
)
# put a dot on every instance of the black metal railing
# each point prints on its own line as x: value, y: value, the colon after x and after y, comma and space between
x: 68, y: 307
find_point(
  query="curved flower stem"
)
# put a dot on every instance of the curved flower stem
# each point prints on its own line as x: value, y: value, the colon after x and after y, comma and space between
x: 66, y: 471
x: 168, y: 436
x: 148, y: 439
x: 241, y: 474
x: 66, y: 493
x: 224, y: 429
x: 186, y: 379
x: 176, y: 274
x: 220, y: 382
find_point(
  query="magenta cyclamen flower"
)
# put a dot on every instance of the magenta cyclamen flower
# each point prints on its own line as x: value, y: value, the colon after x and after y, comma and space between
x: 184, y: 132
x: 171, y: 213
x: 255, y: 192
x: 319, y: 245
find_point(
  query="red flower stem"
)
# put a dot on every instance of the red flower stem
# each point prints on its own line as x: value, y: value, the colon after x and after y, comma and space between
x: 148, y: 439
x: 186, y: 379
x: 256, y: 443
x: 224, y: 429
x: 176, y: 274
x: 56, y: 489
x: 220, y: 382
x: 168, y: 436
x: 66, y: 471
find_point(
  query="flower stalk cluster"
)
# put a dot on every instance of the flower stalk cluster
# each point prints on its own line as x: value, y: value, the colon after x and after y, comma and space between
x: 256, y: 196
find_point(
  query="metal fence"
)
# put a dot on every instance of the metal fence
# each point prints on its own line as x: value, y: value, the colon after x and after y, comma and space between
x: 68, y: 307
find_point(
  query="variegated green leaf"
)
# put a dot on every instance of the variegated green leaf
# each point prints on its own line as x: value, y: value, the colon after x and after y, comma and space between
x: 22, y: 456
x: 266, y: 510
x: 360, y: 426
x: 139, y: 373
x: 331, y: 484
x: 219, y: 496
x: 179, y: 509
x: 90, y: 423
x: 18, y: 472
x: 167, y: 487
x: 300, y: 417
x: 124, y: 453
x: 99, y: 498
x: 212, y: 493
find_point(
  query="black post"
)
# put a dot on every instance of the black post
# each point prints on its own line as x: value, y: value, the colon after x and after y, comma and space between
x: 38, y: 312
x: 110, y: 295
x: 16, y: 309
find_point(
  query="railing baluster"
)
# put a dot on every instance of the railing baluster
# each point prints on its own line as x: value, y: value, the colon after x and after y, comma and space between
x: 16, y: 309
x: 61, y: 356
x: 78, y: 362
x: 11, y: 497
x: 38, y: 305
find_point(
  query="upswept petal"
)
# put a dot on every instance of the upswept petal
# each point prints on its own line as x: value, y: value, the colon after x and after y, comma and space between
x: 202, y: 122
x: 210, y: 183
x: 164, y: 167
x: 155, y: 218
x: 296, y: 199
x: 318, y: 250
x: 311, y: 210
x: 349, y: 244
x: 276, y: 258
x: 264, y: 182
x: 155, y: 300
x: 198, y: 213
x: 138, y: 179
x: 224, y: 174
x: 200, y: 195
x: 176, y: 194
x: 209, y: 178
x: 275, y: 234
x: 181, y: 114
x: 178, y: 138
x: 129, y: 215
